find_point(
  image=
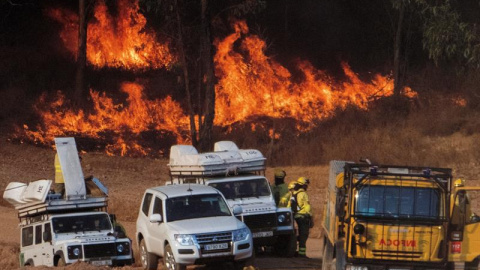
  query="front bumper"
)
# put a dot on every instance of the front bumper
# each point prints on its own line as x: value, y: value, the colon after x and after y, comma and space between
x: 195, y: 254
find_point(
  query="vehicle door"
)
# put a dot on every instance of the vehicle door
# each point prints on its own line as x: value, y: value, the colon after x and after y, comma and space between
x: 28, y: 252
x: 157, y: 229
x: 46, y: 245
x: 465, y: 225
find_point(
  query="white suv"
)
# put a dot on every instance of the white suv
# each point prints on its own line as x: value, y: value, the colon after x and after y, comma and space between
x: 190, y: 224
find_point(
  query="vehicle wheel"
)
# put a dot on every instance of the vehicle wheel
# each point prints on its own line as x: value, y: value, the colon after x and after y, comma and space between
x: 169, y: 260
x: 473, y: 265
x: 149, y: 260
x: 286, y: 246
x: 61, y: 261
x: 327, y: 255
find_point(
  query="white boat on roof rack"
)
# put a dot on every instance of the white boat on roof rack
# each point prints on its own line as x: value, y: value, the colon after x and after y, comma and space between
x: 226, y: 159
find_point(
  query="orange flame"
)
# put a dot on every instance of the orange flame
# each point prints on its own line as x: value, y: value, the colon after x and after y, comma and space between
x: 138, y: 115
x: 119, y: 42
x: 252, y: 84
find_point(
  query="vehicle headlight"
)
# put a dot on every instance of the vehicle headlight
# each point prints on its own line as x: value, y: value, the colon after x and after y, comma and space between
x: 74, y: 252
x: 184, y: 239
x: 284, y: 218
x: 240, y: 235
x: 123, y: 248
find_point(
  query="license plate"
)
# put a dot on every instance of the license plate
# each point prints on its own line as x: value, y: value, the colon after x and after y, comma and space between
x: 262, y: 234
x: 216, y: 246
x: 101, y: 263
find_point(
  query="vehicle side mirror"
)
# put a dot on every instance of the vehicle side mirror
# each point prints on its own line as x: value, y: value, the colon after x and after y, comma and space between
x: 156, y: 218
x: 47, y: 236
x: 237, y: 210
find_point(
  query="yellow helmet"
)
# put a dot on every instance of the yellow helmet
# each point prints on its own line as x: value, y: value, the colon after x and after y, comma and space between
x: 279, y: 173
x: 303, y: 181
x: 291, y: 185
x: 459, y: 183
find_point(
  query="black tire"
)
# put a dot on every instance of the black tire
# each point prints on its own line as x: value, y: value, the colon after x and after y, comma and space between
x: 339, y: 256
x: 169, y: 260
x: 327, y: 257
x: 286, y: 246
x: 239, y: 265
x: 473, y: 265
x: 148, y: 259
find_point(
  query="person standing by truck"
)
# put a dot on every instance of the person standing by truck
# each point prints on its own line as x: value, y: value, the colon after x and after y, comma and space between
x: 286, y: 198
x: 279, y: 188
x: 302, y: 213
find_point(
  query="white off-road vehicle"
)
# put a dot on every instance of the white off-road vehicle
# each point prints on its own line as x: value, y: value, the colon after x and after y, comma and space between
x: 59, y: 229
x: 240, y: 175
x: 190, y: 224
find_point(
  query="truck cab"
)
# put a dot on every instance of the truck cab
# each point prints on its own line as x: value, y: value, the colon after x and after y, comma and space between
x: 240, y: 175
x: 61, y: 239
x: 385, y: 217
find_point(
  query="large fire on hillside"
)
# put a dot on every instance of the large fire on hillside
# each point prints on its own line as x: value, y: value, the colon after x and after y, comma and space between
x: 250, y: 84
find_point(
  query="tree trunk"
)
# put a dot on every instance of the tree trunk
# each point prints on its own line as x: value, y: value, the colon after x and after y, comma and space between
x: 206, y: 131
x: 397, y: 50
x: 193, y: 130
x: 82, y: 53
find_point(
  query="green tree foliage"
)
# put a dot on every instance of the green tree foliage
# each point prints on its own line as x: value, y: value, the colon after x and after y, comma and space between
x: 446, y: 35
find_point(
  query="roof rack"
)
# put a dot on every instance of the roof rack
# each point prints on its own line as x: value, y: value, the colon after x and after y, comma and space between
x: 55, y: 205
x: 441, y: 176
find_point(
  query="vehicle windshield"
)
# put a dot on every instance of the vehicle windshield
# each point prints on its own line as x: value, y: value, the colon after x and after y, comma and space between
x: 196, y: 206
x: 243, y: 189
x: 84, y: 223
x: 398, y: 202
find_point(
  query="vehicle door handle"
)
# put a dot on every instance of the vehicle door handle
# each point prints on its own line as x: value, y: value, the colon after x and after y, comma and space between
x: 43, y: 254
x: 34, y: 256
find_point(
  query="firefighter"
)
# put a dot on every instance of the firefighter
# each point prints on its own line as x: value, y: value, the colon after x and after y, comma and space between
x: 279, y: 188
x: 59, y: 181
x: 286, y: 198
x: 302, y: 213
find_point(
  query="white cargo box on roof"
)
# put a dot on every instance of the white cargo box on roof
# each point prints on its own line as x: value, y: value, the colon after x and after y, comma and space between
x: 14, y: 193
x: 227, y: 158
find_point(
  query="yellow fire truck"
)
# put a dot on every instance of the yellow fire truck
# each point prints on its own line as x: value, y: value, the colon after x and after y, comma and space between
x: 398, y: 217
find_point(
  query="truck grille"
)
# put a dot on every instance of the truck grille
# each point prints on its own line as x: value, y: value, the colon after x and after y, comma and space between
x: 260, y: 221
x: 215, y: 238
x: 100, y: 250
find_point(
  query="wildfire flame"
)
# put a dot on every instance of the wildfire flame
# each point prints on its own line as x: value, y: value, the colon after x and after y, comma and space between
x: 106, y: 117
x: 120, y: 42
x: 251, y: 83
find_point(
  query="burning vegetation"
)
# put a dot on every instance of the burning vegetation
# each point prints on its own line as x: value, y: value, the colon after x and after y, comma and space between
x: 250, y: 84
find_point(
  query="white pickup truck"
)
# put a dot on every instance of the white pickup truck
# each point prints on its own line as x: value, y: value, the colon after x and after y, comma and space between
x: 190, y: 224
x: 239, y: 175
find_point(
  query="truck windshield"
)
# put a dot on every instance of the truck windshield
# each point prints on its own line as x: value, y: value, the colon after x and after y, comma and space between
x: 398, y: 202
x: 242, y: 189
x: 196, y: 206
x: 84, y: 223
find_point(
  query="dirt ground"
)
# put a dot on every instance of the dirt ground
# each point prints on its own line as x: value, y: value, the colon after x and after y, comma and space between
x: 127, y: 179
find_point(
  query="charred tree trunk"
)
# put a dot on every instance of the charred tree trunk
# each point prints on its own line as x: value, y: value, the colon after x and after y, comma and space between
x: 181, y: 50
x: 206, y: 130
x: 398, y: 84
x: 82, y: 52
